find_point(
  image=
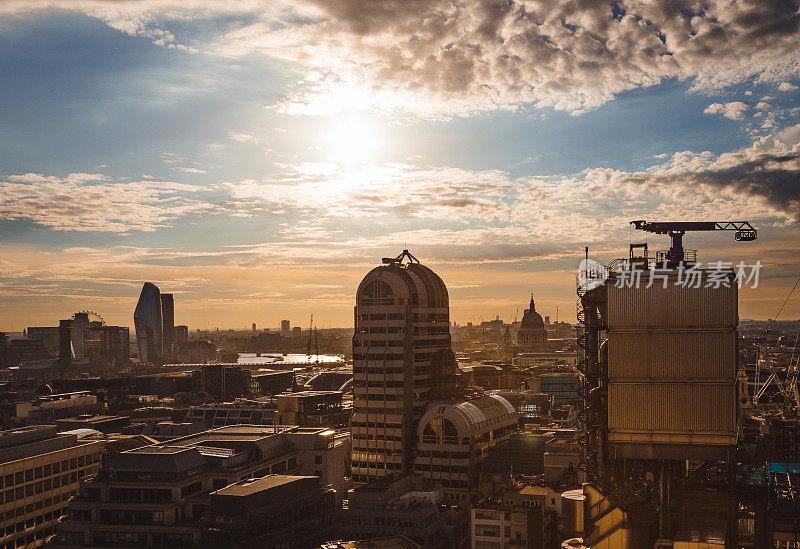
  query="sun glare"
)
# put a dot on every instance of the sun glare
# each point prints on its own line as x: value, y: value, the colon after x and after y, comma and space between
x: 352, y: 140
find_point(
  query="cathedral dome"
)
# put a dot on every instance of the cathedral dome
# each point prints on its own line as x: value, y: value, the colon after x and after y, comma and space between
x: 532, y: 319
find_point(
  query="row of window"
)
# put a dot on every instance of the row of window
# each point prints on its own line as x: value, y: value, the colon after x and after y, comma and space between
x: 39, y: 534
x: 22, y: 510
x: 376, y: 425
x: 35, y: 473
x: 42, y: 486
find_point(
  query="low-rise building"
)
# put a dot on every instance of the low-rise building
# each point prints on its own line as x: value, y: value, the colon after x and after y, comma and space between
x: 40, y: 470
x: 412, y: 506
x: 524, y: 516
x: 271, y: 512
x: 312, y: 409
x: 260, y: 411
x: 454, y: 438
x: 157, y: 495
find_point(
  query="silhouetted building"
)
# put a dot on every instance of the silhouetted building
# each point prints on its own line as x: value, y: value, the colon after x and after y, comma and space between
x: 401, y: 361
x: 148, y: 323
x: 108, y: 346
x: 167, y: 322
x: 531, y: 333
x: 41, y: 471
x: 181, y: 334
x: 65, y: 353
x: 286, y: 329
x: 48, y: 335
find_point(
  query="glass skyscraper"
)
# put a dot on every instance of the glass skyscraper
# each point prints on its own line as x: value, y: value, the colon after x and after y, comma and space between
x: 147, y: 321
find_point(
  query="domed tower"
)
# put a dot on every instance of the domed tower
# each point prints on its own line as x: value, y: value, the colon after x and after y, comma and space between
x: 532, y: 333
x: 402, y: 360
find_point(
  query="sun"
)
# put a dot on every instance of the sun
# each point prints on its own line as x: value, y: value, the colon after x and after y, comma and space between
x: 352, y: 140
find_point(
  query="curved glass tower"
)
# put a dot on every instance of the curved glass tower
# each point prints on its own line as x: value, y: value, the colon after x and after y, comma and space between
x: 147, y: 321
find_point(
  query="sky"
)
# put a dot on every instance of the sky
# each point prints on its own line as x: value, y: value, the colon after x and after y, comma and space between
x: 258, y: 158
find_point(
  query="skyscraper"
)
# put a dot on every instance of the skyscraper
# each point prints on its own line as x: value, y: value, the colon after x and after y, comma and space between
x: 147, y: 322
x: 286, y: 328
x: 167, y: 322
x: 402, y: 360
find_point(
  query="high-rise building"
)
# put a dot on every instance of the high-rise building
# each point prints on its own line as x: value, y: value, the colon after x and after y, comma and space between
x: 286, y: 328
x: 80, y: 325
x: 254, y: 326
x: 48, y: 335
x: 147, y: 322
x: 402, y: 360
x: 108, y: 346
x: 167, y: 322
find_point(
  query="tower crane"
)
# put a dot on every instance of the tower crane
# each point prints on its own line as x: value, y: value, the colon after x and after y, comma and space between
x: 676, y: 229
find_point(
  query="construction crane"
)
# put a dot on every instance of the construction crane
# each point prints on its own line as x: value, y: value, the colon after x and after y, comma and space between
x: 676, y: 229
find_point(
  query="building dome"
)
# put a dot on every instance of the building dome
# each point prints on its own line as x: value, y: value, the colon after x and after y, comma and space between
x: 532, y: 333
x: 532, y: 319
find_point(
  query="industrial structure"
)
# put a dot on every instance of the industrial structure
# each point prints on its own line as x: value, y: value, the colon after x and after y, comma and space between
x: 659, y: 377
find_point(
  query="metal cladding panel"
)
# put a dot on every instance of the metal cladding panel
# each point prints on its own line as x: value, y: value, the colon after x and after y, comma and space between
x: 671, y: 305
x: 672, y: 408
x: 674, y: 356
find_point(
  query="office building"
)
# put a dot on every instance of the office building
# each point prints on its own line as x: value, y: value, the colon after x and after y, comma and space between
x: 108, y: 346
x: 453, y: 439
x: 401, y: 361
x: 157, y: 495
x: 237, y: 412
x: 228, y: 381
x: 410, y: 506
x: 312, y: 409
x: 167, y: 322
x: 181, y: 334
x: 148, y: 323
x: 41, y: 470
x: 48, y: 335
x: 286, y: 329
x: 80, y: 325
x: 524, y: 516
x: 274, y: 511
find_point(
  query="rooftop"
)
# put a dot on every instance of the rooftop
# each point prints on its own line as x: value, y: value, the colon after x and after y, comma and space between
x: 251, y: 486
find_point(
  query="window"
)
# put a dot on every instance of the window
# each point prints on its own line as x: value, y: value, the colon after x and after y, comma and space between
x: 318, y: 459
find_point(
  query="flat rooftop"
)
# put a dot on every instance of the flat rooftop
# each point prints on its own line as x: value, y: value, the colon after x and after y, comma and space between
x: 252, y: 486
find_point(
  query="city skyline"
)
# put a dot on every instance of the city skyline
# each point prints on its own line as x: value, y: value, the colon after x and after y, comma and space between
x: 256, y: 158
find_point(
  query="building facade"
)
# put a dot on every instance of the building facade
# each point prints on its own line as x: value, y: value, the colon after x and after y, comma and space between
x: 148, y: 323
x: 167, y: 322
x: 40, y: 470
x: 402, y: 359
x: 158, y: 495
x: 453, y: 439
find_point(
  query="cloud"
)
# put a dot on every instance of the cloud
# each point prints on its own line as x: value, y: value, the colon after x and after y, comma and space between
x: 786, y: 86
x: 453, y: 57
x: 243, y: 138
x: 733, y: 110
x: 760, y: 182
x: 93, y: 202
